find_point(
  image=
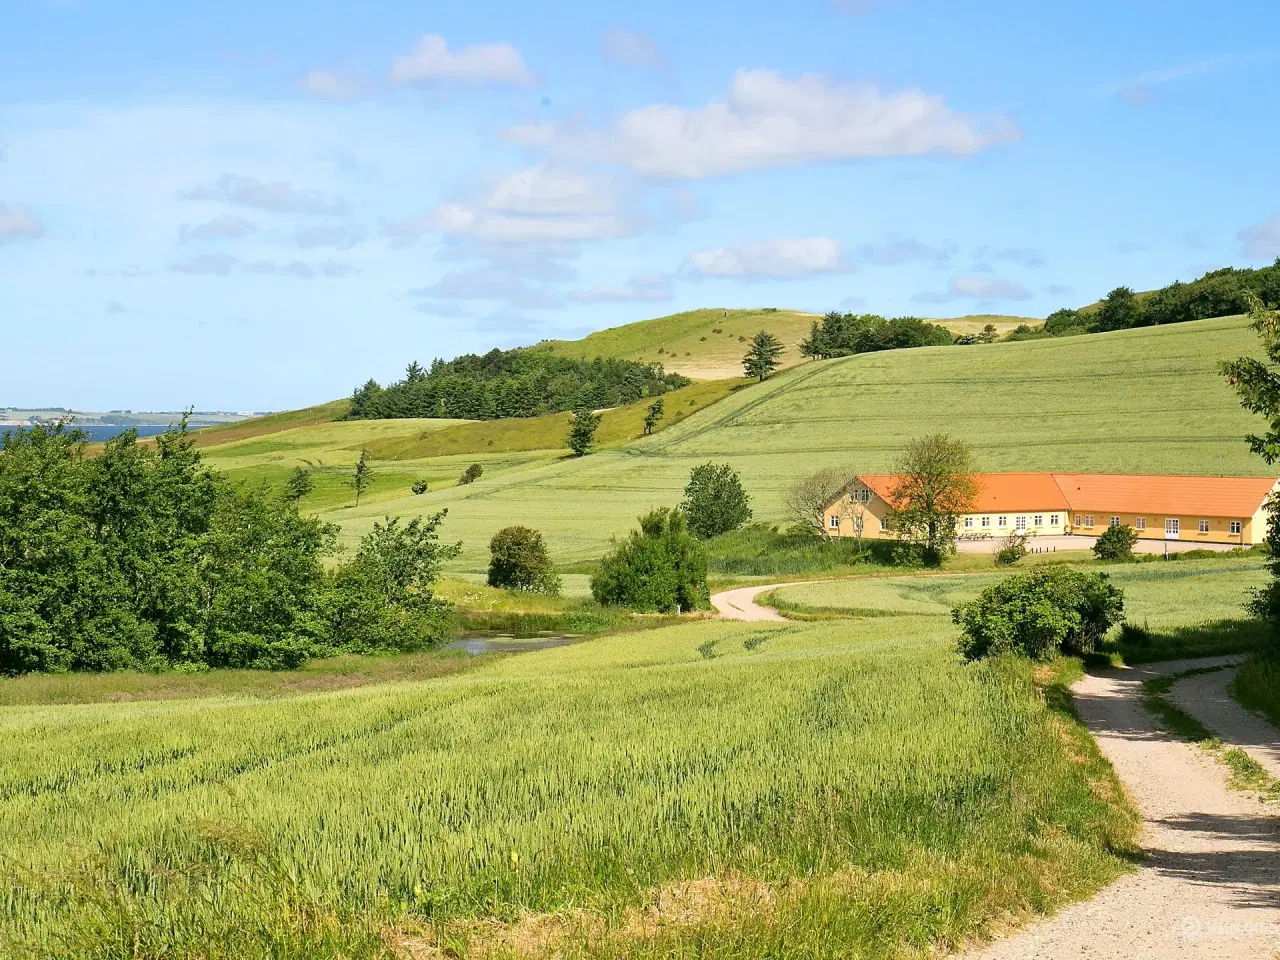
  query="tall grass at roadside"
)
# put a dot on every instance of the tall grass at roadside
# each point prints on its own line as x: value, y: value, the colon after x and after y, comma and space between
x: 1257, y: 684
x: 887, y: 798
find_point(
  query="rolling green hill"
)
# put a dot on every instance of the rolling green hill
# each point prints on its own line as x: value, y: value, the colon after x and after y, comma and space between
x: 1146, y: 400
x: 709, y: 344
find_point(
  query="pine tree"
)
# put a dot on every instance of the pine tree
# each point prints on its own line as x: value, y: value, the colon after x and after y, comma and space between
x: 762, y: 359
x: 363, y: 476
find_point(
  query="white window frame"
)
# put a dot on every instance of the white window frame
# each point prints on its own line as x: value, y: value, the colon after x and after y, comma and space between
x: 1079, y: 522
x: 884, y: 523
x: 1053, y: 520
x: 1020, y: 524
x: 1002, y: 522
x: 833, y: 521
x: 1088, y: 520
x: 1237, y: 527
x: 1139, y: 523
x: 1115, y: 521
x: 968, y: 523
x: 986, y: 523
x: 1037, y: 520
x: 1203, y: 526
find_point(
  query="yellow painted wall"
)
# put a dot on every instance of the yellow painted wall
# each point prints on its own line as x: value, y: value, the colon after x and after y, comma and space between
x: 1219, y: 527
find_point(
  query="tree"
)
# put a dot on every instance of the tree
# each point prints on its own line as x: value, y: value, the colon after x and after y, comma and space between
x: 414, y: 373
x: 582, y: 431
x: 1116, y: 543
x: 809, y: 500
x: 714, y: 501
x: 762, y: 357
x: 1119, y: 311
x: 1258, y: 384
x: 935, y: 485
x: 298, y: 485
x: 655, y: 413
x: 988, y: 334
x: 1011, y: 548
x: 362, y: 477
x: 471, y: 474
x: 1039, y: 614
x: 419, y: 487
x: 518, y: 560
x: 659, y: 568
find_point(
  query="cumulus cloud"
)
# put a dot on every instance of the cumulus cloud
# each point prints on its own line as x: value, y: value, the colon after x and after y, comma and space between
x: 334, y: 87
x: 646, y: 287
x: 1023, y: 256
x: 210, y: 264
x: 784, y: 258
x: 481, y: 63
x: 278, y: 197
x: 17, y: 222
x: 768, y: 120
x: 976, y: 288
x: 630, y: 48
x: 489, y: 284
x: 226, y: 227
x: 1259, y: 242
x: 329, y: 235
x: 899, y: 250
x: 540, y: 204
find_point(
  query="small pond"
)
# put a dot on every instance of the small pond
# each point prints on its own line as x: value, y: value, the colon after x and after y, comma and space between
x: 480, y: 641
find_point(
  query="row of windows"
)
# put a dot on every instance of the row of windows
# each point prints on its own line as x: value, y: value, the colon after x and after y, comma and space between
x: 1019, y: 523
x: 1171, y: 525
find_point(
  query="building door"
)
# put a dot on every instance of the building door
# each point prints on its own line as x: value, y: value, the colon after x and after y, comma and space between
x: 1172, y: 527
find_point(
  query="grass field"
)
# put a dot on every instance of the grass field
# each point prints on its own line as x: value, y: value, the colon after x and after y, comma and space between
x: 1144, y: 401
x: 711, y: 789
x: 1257, y: 685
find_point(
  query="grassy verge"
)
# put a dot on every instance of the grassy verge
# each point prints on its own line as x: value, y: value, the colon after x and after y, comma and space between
x: 1134, y: 644
x: 1245, y: 772
x: 1257, y: 685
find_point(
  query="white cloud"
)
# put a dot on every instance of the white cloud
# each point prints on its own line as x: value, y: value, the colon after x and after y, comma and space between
x: 226, y: 227
x: 212, y: 264
x: 18, y: 222
x: 1024, y: 256
x: 647, y: 287
x: 987, y: 288
x: 1259, y: 242
x: 898, y: 250
x: 633, y: 49
x: 334, y: 87
x: 278, y: 197
x: 767, y: 120
x: 539, y: 204
x: 329, y: 235
x: 489, y: 284
x: 479, y: 64
x: 781, y: 259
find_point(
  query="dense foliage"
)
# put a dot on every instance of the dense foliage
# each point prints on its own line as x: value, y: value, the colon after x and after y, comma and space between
x: 511, y: 383
x: 518, y: 560
x: 714, y: 501
x: 841, y: 334
x: 1039, y: 614
x: 1258, y: 384
x: 936, y: 483
x: 582, y: 431
x: 763, y: 356
x: 144, y: 558
x: 659, y: 568
x: 1116, y: 543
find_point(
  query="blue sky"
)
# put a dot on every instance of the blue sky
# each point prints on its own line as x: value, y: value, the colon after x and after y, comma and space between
x: 257, y: 206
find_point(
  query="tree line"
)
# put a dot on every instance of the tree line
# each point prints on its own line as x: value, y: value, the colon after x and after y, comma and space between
x: 144, y: 558
x: 511, y: 383
x: 843, y: 334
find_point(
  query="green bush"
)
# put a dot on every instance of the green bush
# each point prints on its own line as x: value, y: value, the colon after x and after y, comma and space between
x: 518, y: 560
x: 1039, y: 614
x: 1116, y: 544
x: 660, y: 567
x: 1011, y: 549
x: 714, y: 501
x: 419, y: 488
x: 471, y: 474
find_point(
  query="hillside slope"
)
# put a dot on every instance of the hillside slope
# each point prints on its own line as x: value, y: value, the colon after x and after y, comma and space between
x: 709, y: 344
x: 1147, y: 400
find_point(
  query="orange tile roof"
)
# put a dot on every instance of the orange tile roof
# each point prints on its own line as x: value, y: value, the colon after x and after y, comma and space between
x: 999, y: 491
x: 1198, y: 496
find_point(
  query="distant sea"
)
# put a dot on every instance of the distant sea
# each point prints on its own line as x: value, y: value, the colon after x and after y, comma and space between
x: 99, y: 434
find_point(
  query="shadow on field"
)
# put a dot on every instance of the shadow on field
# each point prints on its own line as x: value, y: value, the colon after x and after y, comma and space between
x: 1141, y: 644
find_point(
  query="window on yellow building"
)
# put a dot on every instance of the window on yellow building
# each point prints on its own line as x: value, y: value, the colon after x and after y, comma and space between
x: 1053, y: 519
x: 1204, y: 526
x: 1236, y: 527
x: 986, y: 522
x: 1140, y: 523
x: 968, y: 523
x: 1037, y: 521
x: 834, y: 522
x: 1002, y: 522
x: 1078, y: 523
x: 1115, y: 521
x: 1088, y: 519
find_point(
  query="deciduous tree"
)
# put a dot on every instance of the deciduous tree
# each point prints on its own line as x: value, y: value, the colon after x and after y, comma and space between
x: 362, y: 476
x: 936, y: 483
x: 653, y: 415
x: 714, y: 500
x: 582, y: 432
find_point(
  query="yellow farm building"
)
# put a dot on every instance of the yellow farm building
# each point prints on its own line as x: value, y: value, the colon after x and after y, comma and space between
x: 1231, y: 510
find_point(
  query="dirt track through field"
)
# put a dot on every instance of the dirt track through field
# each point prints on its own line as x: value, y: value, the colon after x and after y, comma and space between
x: 1209, y: 886
x: 741, y: 604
